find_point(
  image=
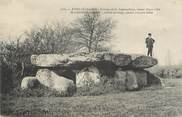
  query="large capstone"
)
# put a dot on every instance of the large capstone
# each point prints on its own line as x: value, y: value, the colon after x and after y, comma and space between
x: 121, y: 60
x: 142, y: 62
x: 80, y: 61
x: 48, y: 60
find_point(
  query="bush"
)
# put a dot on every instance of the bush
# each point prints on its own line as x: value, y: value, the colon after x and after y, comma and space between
x: 6, y: 81
x: 172, y: 72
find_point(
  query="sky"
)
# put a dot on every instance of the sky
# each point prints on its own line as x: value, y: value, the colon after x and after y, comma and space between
x: 16, y: 16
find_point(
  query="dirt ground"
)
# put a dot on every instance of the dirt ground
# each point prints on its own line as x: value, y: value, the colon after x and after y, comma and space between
x: 149, y: 102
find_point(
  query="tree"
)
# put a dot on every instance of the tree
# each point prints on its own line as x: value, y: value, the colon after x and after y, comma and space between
x: 55, y: 38
x: 92, y: 29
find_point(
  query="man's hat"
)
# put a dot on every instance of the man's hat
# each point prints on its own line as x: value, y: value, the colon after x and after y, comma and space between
x: 149, y: 34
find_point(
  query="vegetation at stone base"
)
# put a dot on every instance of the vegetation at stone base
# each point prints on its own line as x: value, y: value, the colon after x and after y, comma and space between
x: 107, y: 85
x: 166, y: 102
x: 55, y: 38
x: 39, y: 91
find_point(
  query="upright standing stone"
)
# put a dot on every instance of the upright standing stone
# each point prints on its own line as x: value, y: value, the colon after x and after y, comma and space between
x: 141, y: 78
x: 119, y: 74
x: 29, y: 82
x: 87, y: 77
x: 131, y: 81
x: 52, y: 80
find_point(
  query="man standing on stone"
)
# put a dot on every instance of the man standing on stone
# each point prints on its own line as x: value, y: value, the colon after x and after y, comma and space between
x: 149, y: 44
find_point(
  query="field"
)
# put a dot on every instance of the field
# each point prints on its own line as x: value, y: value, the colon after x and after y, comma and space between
x: 149, y: 102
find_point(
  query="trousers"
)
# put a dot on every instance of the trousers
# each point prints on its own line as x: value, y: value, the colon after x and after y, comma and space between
x: 150, y: 51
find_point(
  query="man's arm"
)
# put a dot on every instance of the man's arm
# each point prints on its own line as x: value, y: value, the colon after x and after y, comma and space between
x: 153, y: 41
x: 146, y: 40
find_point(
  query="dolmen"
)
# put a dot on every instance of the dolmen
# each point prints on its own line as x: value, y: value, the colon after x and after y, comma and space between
x: 65, y: 73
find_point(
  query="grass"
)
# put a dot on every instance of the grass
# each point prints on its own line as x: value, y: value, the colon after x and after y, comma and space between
x: 166, y: 102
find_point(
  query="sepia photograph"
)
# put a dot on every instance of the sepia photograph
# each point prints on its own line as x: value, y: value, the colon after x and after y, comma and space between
x: 90, y: 58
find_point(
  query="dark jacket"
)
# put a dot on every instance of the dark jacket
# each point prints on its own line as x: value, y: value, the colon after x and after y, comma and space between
x: 149, y: 42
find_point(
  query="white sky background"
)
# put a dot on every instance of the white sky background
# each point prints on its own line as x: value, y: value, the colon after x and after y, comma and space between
x: 16, y: 16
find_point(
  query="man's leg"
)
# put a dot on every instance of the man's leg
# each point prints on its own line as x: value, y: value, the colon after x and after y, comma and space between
x: 151, y: 51
x: 148, y: 53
